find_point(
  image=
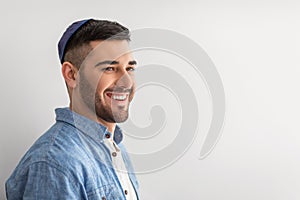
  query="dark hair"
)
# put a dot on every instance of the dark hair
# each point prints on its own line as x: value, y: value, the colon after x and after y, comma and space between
x: 78, y: 46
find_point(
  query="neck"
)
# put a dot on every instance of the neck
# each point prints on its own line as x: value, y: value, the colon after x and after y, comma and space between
x: 92, y: 116
x: 109, y: 125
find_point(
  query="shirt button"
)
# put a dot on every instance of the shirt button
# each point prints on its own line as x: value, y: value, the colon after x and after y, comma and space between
x: 114, y: 154
x: 107, y: 135
x: 126, y: 192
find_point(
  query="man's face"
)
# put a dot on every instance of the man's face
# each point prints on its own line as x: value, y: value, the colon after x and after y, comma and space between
x: 106, y: 83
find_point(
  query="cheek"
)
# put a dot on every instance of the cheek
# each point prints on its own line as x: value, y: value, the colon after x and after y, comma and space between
x: 90, y: 78
x: 103, y: 84
x: 133, y: 92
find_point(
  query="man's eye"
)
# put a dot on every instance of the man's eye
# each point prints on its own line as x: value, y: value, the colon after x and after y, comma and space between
x: 108, y: 69
x: 131, y: 69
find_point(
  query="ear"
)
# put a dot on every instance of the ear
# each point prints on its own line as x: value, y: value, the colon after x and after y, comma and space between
x: 70, y: 74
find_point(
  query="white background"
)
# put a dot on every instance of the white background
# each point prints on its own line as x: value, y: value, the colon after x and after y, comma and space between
x: 255, y: 47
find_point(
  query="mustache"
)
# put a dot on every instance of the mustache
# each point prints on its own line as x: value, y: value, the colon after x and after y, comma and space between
x: 120, y: 90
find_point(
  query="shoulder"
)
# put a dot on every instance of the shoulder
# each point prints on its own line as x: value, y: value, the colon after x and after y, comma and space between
x: 63, y: 148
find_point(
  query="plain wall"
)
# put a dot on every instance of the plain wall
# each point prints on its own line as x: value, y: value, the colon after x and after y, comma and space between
x: 255, y: 47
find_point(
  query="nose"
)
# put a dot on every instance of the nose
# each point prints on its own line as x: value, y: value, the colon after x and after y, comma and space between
x: 125, y: 80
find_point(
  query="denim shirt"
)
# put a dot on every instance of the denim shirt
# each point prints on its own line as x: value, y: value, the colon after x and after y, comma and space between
x: 70, y: 161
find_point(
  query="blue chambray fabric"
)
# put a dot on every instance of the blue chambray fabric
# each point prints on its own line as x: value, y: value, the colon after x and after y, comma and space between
x: 70, y: 161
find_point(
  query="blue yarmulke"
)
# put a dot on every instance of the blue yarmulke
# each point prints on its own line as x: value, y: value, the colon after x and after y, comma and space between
x: 67, y: 35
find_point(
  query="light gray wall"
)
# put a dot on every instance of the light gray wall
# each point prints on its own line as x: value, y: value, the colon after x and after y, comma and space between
x: 255, y: 47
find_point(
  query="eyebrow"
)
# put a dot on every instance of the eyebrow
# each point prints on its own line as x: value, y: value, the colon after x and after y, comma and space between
x: 133, y: 62
x: 113, y: 62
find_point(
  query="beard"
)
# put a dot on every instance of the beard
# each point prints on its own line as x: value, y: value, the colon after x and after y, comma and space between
x: 89, y: 95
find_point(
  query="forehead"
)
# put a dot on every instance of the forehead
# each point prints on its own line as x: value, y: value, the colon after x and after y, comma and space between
x: 109, y: 50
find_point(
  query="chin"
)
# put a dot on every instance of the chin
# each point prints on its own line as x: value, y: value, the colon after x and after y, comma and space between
x: 119, y: 118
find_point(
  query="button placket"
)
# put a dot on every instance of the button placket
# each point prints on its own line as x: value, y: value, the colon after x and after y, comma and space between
x: 119, y: 166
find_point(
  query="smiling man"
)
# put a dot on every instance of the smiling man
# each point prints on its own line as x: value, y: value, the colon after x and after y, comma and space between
x: 82, y: 156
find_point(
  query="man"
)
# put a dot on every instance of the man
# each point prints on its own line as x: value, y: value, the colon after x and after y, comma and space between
x: 81, y: 156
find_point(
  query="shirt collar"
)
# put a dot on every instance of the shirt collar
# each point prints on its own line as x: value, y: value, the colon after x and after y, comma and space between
x: 91, y: 128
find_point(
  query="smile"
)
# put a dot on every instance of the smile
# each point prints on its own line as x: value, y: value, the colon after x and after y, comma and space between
x: 117, y: 96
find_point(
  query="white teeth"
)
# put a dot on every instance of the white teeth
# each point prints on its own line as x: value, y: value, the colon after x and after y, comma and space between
x: 119, y: 97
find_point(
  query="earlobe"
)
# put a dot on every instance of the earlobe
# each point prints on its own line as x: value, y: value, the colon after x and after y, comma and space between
x: 70, y: 74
